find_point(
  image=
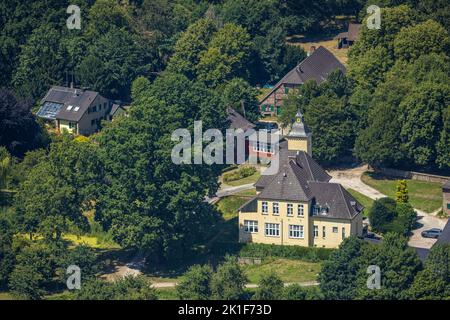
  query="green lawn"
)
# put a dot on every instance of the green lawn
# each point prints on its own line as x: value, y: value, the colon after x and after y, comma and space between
x: 6, y: 296
x: 228, y: 206
x: 364, y: 200
x: 426, y: 196
x: 167, y: 293
x: 251, y: 179
x: 90, y: 241
x: 288, y: 270
x: 246, y: 193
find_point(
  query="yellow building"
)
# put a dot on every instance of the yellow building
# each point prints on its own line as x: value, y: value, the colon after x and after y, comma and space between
x: 298, y: 205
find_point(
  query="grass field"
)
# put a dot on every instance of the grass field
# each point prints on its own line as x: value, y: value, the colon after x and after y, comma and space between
x: 228, y: 206
x: 90, y: 241
x: 426, y: 196
x: 364, y: 200
x: 251, y: 179
x: 246, y: 193
x: 288, y: 270
x: 6, y: 296
x: 327, y: 42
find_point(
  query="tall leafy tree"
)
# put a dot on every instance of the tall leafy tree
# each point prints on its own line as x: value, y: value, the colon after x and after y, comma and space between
x: 40, y: 63
x: 113, y: 61
x: 189, y: 47
x: 149, y: 202
x: 433, y: 282
x: 229, y: 281
x: 196, y: 283
x: 59, y: 189
x: 338, y: 275
x: 19, y: 130
x: 422, y: 38
x: 227, y: 55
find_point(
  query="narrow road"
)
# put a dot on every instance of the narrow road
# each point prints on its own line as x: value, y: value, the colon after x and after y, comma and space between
x: 228, y: 191
x: 249, y: 285
x: 351, y: 178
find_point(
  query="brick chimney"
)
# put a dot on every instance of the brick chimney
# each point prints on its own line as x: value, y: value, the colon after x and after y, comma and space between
x: 311, y: 50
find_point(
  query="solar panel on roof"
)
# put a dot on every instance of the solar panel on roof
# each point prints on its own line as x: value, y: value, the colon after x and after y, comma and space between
x: 49, y: 110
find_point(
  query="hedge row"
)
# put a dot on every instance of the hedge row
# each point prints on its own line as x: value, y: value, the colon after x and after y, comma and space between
x: 258, y: 250
x: 242, y: 173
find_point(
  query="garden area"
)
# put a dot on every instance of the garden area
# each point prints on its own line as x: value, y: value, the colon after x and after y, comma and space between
x: 243, y: 175
x: 426, y: 196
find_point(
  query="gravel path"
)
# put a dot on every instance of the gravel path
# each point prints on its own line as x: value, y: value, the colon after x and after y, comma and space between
x: 351, y: 178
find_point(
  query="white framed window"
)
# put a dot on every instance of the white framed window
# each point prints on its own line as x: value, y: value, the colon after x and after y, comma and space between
x: 250, y: 226
x: 290, y: 209
x: 275, y: 208
x: 316, y: 231
x: 343, y: 233
x: 262, y: 147
x: 324, y: 233
x: 335, y: 229
x: 265, y: 207
x: 272, y: 230
x: 301, y: 210
x: 296, y: 231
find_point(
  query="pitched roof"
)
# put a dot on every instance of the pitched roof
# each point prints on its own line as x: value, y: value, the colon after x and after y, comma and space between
x: 250, y: 206
x: 444, y: 238
x: 340, y: 203
x: 353, y: 31
x: 288, y: 184
x: 315, y: 67
x: 446, y: 185
x: 237, y: 121
x: 312, y: 170
x: 79, y: 99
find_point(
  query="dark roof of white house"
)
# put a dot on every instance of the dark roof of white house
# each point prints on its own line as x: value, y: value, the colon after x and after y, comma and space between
x: 316, y: 67
x: 73, y: 102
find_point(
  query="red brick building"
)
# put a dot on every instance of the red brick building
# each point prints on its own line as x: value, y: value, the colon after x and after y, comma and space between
x: 317, y: 66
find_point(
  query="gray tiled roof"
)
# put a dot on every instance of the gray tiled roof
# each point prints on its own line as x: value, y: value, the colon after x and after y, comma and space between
x: 444, y: 238
x: 315, y: 67
x: 249, y: 206
x: 288, y: 184
x: 340, y: 202
x: 301, y: 178
x: 237, y: 121
x: 313, y: 171
x: 447, y: 185
x: 77, y: 98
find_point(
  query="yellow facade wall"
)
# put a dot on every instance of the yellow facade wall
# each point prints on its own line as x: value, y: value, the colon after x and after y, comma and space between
x: 300, y: 144
x: 64, y: 126
x: 331, y: 240
x: 282, y: 218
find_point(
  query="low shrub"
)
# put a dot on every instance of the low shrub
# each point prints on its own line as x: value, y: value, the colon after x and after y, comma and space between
x: 258, y: 250
x: 241, y: 173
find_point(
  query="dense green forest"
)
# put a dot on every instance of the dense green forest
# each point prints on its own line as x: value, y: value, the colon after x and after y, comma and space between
x: 176, y: 61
